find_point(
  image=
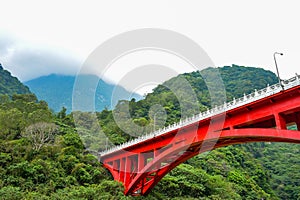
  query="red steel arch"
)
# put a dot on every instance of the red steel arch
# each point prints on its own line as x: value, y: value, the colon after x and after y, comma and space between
x: 141, y: 185
x: 141, y: 165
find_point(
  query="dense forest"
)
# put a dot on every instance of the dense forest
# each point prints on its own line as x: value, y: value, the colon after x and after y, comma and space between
x: 46, y: 155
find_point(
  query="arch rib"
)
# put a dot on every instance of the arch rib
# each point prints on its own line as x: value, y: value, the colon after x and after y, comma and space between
x: 155, y: 170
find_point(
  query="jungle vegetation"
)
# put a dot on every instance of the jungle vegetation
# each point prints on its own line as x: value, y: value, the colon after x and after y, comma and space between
x: 47, y: 155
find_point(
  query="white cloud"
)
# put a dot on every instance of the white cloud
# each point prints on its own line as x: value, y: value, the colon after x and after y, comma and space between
x: 27, y: 61
x: 56, y: 36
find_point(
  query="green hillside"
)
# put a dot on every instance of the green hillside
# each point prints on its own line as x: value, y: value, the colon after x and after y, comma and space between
x: 11, y: 85
x: 60, y: 167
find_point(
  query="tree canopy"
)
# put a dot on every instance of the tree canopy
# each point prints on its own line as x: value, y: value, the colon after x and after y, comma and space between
x: 46, y: 155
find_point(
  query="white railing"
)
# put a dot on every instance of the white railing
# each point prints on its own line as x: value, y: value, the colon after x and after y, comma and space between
x: 256, y: 95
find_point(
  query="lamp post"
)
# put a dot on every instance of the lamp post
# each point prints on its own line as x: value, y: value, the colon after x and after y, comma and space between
x: 279, y: 80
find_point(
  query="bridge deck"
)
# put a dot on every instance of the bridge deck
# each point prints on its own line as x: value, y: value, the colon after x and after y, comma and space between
x: 218, y: 110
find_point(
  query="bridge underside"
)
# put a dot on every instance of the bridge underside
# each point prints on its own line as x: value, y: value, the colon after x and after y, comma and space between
x: 143, y: 181
x: 141, y: 166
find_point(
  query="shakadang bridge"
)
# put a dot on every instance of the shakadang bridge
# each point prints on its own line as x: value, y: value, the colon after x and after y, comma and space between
x: 262, y: 116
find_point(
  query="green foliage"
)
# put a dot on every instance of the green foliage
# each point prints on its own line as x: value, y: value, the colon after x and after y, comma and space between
x: 58, y: 170
x: 282, y: 162
x: 10, y: 85
x: 63, y: 168
x: 10, y: 193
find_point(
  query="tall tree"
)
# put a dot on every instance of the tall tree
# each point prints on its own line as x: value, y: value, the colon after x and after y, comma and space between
x: 40, y: 134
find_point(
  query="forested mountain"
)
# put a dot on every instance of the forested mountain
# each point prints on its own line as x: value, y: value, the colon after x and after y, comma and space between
x: 59, y: 166
x: 11, y: 85
x: 57, y: 90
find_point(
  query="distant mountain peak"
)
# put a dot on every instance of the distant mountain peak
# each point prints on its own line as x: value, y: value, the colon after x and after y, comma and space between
x: 57, y: 91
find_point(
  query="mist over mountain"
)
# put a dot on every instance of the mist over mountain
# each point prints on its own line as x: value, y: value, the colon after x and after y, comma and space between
x: 57, y: 90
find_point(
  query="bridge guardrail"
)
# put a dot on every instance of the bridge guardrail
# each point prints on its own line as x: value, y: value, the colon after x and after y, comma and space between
x: 254, y: 96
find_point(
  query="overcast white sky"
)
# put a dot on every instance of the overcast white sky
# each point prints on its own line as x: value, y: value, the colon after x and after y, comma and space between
x: 43, y: 37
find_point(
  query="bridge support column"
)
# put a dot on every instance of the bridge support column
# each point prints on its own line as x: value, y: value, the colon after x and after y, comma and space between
x: 122, y: 169
x: 116, y: 166
x: 280, y: 121
x: 156, y: 153
x: 127, y: 171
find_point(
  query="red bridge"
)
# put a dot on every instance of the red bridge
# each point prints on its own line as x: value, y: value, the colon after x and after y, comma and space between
x: 261, y: 116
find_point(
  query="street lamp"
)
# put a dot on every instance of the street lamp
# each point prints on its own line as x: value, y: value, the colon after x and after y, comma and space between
x: 274, y: 55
